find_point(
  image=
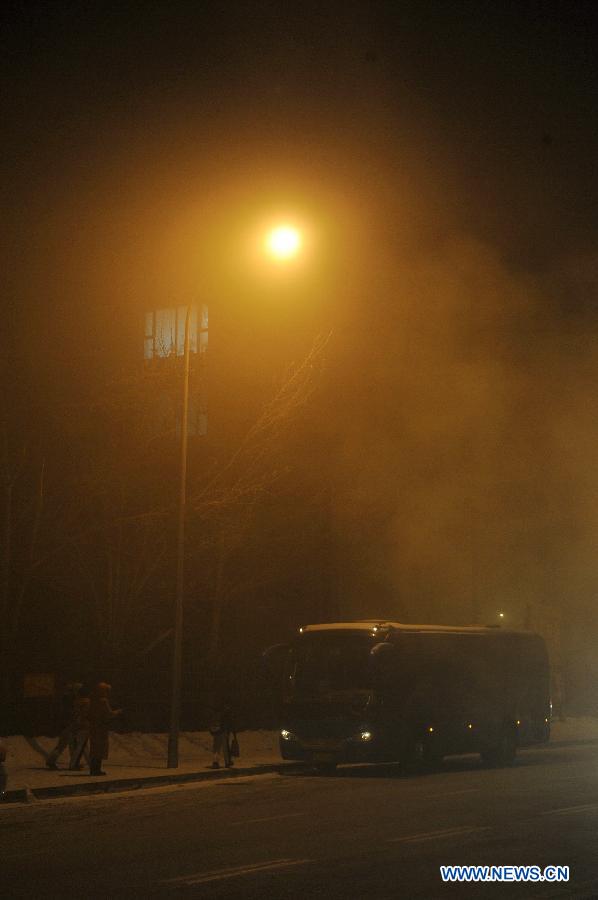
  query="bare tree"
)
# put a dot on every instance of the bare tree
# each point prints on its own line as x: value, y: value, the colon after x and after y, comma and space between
x: 222, y: 501
x: 228, y: 495
x: 256, y: 463
x: 108, y: 537
x: 120, y: 540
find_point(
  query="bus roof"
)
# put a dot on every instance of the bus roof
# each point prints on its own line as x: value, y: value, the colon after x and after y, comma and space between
x: 373, y: 625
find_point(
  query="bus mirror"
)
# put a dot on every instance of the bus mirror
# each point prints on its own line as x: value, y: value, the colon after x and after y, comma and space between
x: 273, y: 662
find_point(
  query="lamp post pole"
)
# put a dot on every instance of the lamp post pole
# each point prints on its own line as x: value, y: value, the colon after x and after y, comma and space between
x: 175, y: 703
x: 283, y: 243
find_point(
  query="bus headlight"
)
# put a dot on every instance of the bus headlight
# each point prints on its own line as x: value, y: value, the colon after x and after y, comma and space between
x: 287, y: 735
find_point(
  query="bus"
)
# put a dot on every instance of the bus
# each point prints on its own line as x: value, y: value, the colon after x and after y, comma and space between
x: 378, y: 691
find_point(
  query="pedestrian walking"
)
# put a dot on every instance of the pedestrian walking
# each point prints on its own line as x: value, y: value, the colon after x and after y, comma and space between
x: 224, y: 737
x: 67, y: 723
x: 101, y: 715
x: 81, y: 731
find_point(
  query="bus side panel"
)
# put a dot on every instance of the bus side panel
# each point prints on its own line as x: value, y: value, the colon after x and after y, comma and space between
x: 454, y: 684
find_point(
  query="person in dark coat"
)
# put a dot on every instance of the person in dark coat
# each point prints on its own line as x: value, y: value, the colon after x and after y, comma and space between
x: 100, y: 717
x: 223, y: 734
x: 81, y: 730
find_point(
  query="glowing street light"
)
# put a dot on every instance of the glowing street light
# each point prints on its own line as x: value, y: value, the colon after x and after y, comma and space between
x: 283, y: 242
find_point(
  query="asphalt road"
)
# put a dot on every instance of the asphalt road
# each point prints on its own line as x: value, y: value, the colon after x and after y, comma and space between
x: 367, y: 832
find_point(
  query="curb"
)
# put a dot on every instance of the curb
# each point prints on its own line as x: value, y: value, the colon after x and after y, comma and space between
x: 27, y: 794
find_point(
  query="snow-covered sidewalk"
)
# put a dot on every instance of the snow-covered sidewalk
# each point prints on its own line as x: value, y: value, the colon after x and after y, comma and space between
x: 139, y: 759
x: 135, y: 759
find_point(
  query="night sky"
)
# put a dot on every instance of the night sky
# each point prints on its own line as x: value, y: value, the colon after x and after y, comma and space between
x: 443, y: 156
x: 421, y: 119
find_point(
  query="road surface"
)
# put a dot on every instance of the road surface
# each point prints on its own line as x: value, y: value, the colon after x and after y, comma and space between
x: 370, y: 831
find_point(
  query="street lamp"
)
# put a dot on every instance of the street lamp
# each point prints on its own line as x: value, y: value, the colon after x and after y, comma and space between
x: 175, y: 704
x: 282, y: 243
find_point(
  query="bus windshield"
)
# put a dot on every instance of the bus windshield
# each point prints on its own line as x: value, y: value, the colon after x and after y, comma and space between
x: 331, y: 661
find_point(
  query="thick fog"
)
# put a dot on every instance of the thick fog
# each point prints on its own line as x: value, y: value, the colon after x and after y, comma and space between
x: 443, y: 169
